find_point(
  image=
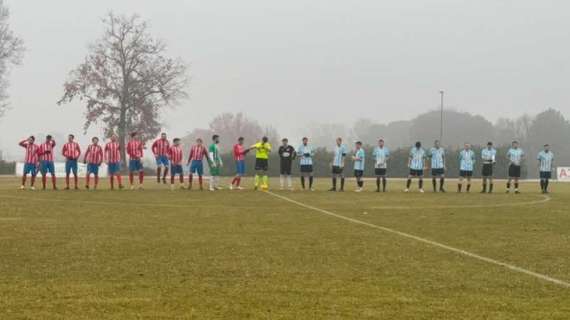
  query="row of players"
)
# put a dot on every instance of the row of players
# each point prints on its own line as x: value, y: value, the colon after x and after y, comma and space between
x: 169, y: 156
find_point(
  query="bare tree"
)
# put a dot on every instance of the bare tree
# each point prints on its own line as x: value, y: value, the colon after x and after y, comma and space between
x: 126, y: 80
x: 11, y: 52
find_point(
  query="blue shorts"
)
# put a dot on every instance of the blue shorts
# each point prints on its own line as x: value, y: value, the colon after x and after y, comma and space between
x: 93, y: 168
x: 47, y: 166
x: 135, y: 165
x: 162, y: 161
x: 114, y: 168
x: 30, y: 168
x: 240, y: 167
x: 176, y: 169
x: 196, y: 167
x: 71, y: 165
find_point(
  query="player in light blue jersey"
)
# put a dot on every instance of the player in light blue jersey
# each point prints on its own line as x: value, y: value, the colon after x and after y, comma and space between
x: 489, y: 157
x: 466, y: 166
x: 545, y: 164
x: 359, y: 158
x: 437, y: 156
x: 305, y: 153
x: 340, y: 152
x: 515, y: 155
x: 381, y: 155
x: 416, y: 162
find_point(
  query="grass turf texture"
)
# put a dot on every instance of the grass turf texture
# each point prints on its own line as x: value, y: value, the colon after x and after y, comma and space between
x: 158, y: 254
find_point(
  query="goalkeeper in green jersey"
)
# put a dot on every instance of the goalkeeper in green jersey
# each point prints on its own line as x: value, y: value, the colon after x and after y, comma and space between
x: 215, y: 162
x: 262, y: 150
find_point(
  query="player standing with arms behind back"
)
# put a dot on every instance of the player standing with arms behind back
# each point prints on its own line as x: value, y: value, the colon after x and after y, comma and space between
x: 515, y: 156
x: 306, y: 153
x: 93, y: 158
x: 175, y: 155
x: 135, y: 151
x: 45, y: 153
x: 437, y: 156
x: 113, y: 157
x: 215, y: 163
x: 359, y: 161
x: 381, y: 155
x: 197, y: 154
x: 338, y: 165
x: 416, y: 163
x: 160, y: 149
x: 30, y: 162
x: 239, y: 153
x: 286, y: 156
x: 466, y: 166
x: 488, y: 155
x: 545, y: 166
x: 262, y: 150
x: 71, y: 151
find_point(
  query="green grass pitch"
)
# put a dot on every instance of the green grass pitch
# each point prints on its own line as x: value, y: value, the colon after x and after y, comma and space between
x: 161, y: 254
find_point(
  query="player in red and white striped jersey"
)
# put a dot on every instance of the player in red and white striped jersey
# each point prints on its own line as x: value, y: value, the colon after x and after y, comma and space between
x: 197, y: 154
x: 160, y: 150
x: 135, y: 151
x: 93, y: 158
x: 239, y: 152
x: 113, y: 157
x: 45, y: 153
x: 71, y: 151
x: 31, y: 161
x: 175, y: 155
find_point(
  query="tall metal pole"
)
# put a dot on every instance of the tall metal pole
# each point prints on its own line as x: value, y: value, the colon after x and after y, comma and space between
x: 441, y: 118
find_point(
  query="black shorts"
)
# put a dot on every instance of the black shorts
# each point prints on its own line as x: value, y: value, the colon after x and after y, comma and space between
x: 465, y: 173
x: 437, y: 172
x: 261, y: 164
x: 337, y: 170
x: 380, y: 172
x: 307, y: 168
x: 545, y: 175
x: 359, y: 173
x: 514, y: 171
x: 487, y: 170
x: 285, y: 168
x: 416, y: 173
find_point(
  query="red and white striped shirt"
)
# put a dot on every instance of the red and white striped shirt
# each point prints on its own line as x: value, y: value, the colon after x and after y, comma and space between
x: 113, y: 152
x: 45, y: 151
x: 71, y: 150
x: 239, y: 152
x: 160, y: 147
x: 135, y: 149
x: 94, y: 154
x: 198, y: 152
x: 31, y: 151
x: 176, y: 154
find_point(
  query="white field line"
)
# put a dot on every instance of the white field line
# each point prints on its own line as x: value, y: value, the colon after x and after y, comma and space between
x: 429, y: 242
x: 458, y: 206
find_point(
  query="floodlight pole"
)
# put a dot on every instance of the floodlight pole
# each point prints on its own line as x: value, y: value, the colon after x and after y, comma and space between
x: 441, y: 93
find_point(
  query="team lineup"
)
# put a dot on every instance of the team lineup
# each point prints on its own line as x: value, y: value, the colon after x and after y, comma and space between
x: 169, y: 156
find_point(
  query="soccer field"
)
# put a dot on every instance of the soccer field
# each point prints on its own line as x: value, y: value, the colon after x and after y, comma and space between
x: 161, y: 254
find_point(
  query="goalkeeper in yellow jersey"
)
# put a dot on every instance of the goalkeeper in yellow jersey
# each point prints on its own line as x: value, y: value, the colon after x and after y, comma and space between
x: 262, y: 150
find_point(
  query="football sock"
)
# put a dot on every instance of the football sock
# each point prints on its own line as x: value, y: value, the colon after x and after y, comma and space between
x: 408, y: 183
x: 459, y: 187
x: 484, y: 187
x: 141, y: 177
x: 441, y: 183
x: 311, y: 182
x: 384, y: 182
x: 342, y: 183
x: 303, y: 182
x: 96, y: 181
x: 265, y: 180
x: 53, y: 182
x: 158, y: 174
x: 378, y: 183
x: 490, y: 187
x: 289, y: 182
x: 434, y: 183
x: 468, y: 187
x: 334, y: 183
x: 516, y: 185
x: 131, y: 178
x: 421, y: 183
x: 44, y: 180
x: 256, y: 181
x: 87, y: 178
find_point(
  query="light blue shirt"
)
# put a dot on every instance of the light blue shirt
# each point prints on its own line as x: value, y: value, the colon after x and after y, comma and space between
x: 339, y: 155
x: 545, y: 160
x: 305, y: 153
x: 437, y: 156
x: 489, y: 155
x: 417, y: 158
x: 381, y: 156
x: 359, y: 162
x: 466, y: 160
x: 515, y: 156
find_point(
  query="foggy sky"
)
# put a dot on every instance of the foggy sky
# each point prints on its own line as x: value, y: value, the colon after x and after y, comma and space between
x: 292, y: 63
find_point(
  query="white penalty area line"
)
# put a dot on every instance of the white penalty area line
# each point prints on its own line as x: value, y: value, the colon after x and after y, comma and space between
x: 467, y: 206
x: 429, y: 242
